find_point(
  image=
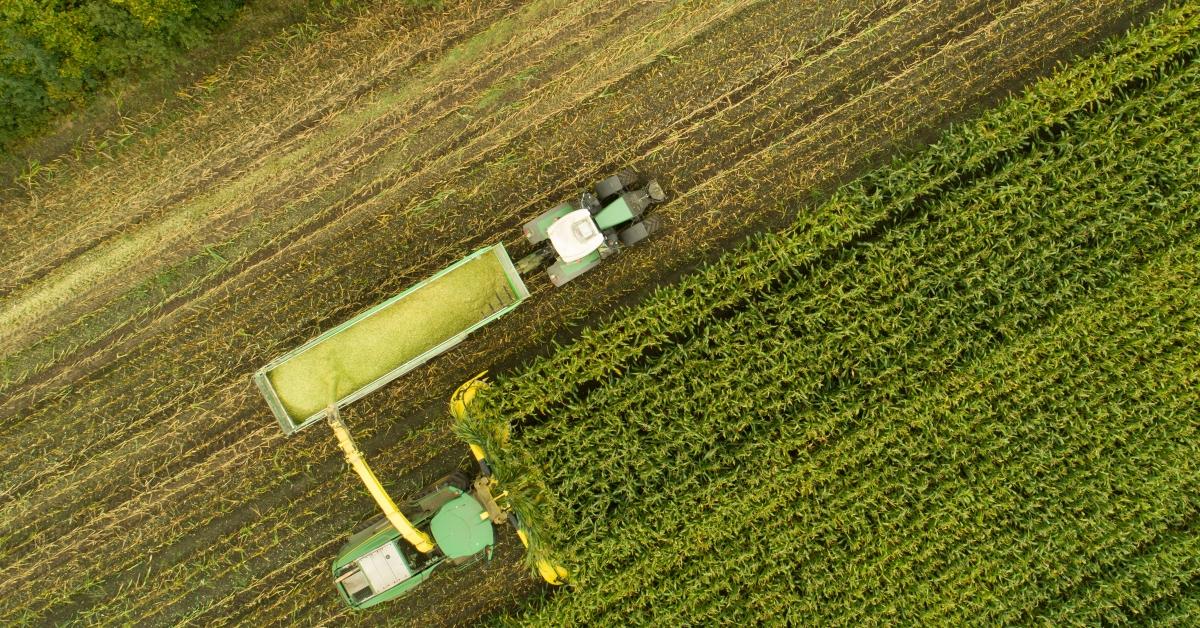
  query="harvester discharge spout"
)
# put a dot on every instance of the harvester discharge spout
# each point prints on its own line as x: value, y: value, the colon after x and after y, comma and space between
x: 354, y: 458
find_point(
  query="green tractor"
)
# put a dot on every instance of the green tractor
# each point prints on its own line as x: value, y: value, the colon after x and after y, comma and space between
x: 574, y: 237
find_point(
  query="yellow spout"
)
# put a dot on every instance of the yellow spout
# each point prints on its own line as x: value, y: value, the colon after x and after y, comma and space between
x: 355, y: 459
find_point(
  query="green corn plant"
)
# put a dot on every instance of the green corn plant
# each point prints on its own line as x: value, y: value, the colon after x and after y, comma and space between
x: 937, y: 375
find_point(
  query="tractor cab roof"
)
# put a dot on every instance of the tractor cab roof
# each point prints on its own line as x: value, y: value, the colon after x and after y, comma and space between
x: 575, y: 235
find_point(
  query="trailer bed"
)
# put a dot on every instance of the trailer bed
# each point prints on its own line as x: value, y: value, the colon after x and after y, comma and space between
x: 384, y: 342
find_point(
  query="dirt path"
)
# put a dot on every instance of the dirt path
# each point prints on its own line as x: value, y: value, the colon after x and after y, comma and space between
x: 151, y: 482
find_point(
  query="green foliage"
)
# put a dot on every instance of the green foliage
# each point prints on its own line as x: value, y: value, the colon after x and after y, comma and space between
x: 54, y: 52
x: 964, y: 390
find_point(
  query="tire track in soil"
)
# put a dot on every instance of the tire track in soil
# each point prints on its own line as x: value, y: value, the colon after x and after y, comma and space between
x: 708, y: 141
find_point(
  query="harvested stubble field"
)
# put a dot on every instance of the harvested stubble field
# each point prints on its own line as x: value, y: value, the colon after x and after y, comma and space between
x: 143, y: 281
x: 966, y: 390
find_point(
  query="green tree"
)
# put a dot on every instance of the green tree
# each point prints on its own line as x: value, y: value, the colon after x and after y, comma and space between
x: 55, y: 52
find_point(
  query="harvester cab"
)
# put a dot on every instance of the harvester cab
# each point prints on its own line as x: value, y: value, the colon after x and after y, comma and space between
x: 400, y: 549
x: 573, y: 237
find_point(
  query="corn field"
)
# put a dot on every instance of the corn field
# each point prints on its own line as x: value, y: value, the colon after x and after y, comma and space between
x: 963, y: 390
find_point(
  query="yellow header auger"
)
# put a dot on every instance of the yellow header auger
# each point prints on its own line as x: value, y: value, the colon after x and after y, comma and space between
x: 486, y: 483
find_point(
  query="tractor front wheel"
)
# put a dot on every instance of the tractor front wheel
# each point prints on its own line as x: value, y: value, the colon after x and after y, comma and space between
x: 642, y: 230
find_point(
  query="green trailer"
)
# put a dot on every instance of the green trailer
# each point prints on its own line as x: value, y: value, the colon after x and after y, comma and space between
x: 390, y: 339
